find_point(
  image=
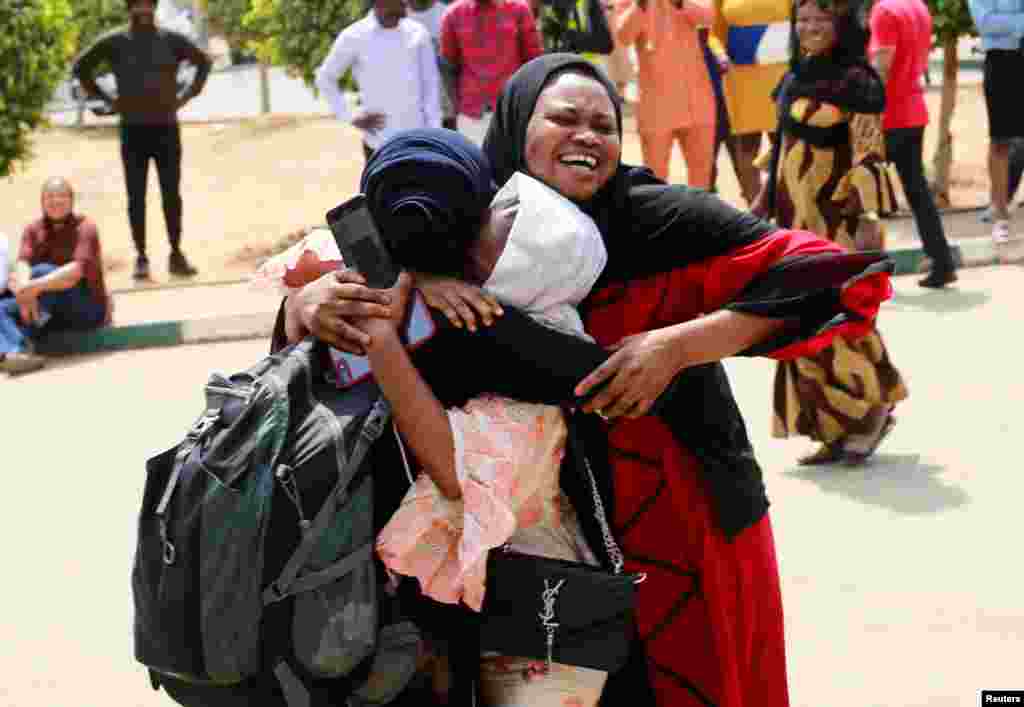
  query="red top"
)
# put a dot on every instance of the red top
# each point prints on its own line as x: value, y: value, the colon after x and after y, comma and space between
x: 906, y: 27
x: 487, y: 42
x: 77, y: 240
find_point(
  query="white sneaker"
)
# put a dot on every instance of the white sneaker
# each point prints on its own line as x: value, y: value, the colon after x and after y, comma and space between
x: 1001, y: 231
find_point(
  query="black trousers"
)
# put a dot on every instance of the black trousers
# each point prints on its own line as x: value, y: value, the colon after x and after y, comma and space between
x: 1016, y: 167
x: 162, y: 144
x: 905, y: 149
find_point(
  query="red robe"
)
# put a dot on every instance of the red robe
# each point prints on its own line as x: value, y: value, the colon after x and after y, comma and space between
x: 710, y: 611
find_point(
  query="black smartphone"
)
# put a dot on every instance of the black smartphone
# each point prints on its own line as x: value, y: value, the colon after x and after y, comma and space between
x: 360, y: 242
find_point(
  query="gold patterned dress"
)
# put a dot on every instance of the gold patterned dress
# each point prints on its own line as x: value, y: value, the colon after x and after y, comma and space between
x: 828, y: 190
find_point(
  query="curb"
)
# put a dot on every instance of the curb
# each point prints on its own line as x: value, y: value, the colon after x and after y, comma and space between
x: 207, y: 330
x: 975, y: 252
x: 969, y: 253
x: 174, y: 285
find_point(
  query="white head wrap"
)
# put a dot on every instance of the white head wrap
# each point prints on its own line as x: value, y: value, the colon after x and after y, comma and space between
x: 552, y: 259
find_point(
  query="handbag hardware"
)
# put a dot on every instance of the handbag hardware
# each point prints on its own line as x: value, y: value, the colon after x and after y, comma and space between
x: 548, y: 598
x: 554, y: 578
x: 614, y: 552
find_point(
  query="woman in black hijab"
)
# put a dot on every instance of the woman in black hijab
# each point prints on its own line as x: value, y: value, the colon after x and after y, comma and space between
x: 829, y: 175
x: 710, y: 613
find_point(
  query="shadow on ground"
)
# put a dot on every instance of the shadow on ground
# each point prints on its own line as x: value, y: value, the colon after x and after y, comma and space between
x: 899, y: 482
x: 948, y: 299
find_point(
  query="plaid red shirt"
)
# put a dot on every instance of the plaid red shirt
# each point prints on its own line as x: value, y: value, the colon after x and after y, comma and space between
x: 487, y: 43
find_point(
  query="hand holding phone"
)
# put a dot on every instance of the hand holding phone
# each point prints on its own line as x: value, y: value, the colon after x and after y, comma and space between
x: 360, y: 242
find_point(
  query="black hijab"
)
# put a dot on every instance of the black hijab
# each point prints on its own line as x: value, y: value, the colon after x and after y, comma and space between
x: 844, y: 77
x: 651, y: 227
x: 635, y: 207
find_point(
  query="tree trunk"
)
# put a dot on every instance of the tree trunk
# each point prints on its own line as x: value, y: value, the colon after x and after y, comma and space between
x: 264, y: 89
x: 943, y: 160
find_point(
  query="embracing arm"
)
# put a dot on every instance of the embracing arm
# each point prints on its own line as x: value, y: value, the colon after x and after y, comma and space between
x: 785, y: 294
x: 733, y: 260
x: 421, y: 420
x: 515, y: 356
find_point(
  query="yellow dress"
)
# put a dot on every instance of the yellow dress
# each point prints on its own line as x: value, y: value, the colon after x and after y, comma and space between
x: 828, y: 190
x: 755, y: 34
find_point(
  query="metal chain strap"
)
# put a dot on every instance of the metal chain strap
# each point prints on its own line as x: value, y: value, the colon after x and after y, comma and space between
x: 614, y: 552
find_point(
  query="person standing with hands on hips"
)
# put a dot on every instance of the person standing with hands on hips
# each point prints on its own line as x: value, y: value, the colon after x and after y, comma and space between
x: 393, y: 62
x: 145, y: 59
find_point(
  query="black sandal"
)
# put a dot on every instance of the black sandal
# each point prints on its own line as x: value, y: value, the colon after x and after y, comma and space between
x: 855, y: 458
x: 826, y: 454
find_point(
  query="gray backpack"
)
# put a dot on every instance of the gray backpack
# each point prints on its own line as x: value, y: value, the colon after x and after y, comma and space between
x: 255, y: 539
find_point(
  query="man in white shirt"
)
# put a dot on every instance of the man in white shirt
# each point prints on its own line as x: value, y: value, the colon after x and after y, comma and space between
x: 393, y: 62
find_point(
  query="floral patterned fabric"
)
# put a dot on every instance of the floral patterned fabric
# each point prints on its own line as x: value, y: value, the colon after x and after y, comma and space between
x: 508, y: 455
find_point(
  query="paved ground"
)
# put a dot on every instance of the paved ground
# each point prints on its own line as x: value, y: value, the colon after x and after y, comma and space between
x: 902, y: 580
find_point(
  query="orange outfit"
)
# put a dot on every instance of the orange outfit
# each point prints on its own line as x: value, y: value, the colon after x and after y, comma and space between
x: 676, y: 100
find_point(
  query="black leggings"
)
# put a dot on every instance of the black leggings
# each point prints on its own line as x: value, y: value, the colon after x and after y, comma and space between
x: 905, y: 147
x: 162, y: 144
x: 1016, y: 167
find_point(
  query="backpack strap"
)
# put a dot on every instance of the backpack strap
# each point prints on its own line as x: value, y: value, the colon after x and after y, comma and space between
x: 315, y: 580
x: 284, y: 585
x: 296, y: 694
x: 194, y: 436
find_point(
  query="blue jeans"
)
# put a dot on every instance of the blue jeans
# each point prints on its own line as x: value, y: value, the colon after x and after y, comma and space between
x: 74, y: 308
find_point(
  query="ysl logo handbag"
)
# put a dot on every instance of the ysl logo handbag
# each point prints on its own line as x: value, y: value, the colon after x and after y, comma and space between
x: 560, y: 611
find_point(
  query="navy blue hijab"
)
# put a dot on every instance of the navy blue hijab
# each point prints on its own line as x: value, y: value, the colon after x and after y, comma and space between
x: 428, y: 191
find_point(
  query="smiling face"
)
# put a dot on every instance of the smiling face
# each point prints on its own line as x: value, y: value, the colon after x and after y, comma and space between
x: 572, y: 139
x: 57, y: 200
x: 815, y: 28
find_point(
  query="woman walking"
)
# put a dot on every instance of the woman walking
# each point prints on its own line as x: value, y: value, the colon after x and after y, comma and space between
x: 832, y: 179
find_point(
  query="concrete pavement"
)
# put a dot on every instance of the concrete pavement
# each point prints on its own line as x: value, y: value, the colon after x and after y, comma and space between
x: 901, y: 580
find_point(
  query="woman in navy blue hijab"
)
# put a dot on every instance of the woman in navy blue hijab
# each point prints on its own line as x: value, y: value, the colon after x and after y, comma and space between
x: 428, y: 191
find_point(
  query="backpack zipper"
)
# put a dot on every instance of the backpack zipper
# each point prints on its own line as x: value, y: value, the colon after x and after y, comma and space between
x: 244, y: 394
x: 285, y: 476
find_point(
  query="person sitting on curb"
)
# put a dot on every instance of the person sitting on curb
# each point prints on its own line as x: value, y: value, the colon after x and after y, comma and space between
x: 56, y: 283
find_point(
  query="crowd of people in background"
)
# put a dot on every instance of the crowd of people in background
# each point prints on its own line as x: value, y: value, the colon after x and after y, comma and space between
x: 698, y: 73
